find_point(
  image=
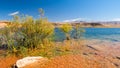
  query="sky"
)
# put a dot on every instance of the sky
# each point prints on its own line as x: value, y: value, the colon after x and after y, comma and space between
x: 63, y: 10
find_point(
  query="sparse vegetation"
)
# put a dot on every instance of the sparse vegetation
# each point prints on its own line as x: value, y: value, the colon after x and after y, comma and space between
x: 68, y: 39
x: 78, y: 32
x: 66, y: 28
x: 26, y: 36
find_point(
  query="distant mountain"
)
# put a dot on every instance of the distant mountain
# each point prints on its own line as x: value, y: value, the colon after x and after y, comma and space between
x: 101, y: 22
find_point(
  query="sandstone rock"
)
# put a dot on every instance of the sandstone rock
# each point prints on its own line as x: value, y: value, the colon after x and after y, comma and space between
x: 28, y: 60
x: 2, y: 24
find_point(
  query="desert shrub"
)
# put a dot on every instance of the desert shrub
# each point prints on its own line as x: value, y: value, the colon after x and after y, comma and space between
x: 66, y: 28
x: 35, y: 32
x: 78, y: 32
x: 25, y: 36
x: 11, y: 37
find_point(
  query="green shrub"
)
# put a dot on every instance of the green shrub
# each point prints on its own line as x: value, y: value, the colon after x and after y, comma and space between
x: 78, y: 32
x: 66, y: 28
x: 36, y: 31
x: 27, y: 36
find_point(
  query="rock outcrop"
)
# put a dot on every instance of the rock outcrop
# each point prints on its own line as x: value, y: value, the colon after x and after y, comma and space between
x: 2, y: 24
x: 28, y: 61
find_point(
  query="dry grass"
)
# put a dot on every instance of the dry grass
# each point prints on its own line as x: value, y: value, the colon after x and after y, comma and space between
x: 8, y: 61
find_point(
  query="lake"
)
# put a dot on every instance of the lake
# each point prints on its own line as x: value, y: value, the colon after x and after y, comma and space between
x: 109, y: 34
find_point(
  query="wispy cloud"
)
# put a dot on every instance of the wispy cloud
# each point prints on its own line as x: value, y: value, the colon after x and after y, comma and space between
x: 14, y: 13
x: 116, y: 19
x: 72, y: 20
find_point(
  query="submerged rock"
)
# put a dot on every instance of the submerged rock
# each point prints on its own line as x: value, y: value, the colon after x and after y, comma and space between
x: 28, y: 60
x: 92, y: 48
x: 118, y: 57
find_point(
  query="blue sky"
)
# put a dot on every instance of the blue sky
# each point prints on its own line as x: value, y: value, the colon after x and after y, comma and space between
x: 63, y: 10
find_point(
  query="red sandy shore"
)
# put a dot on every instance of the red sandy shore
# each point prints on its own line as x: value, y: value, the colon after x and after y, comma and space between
x: 92, y: 55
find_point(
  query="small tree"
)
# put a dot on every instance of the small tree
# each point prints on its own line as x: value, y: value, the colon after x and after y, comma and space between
x: 78, y: 31
x: 66, y: 28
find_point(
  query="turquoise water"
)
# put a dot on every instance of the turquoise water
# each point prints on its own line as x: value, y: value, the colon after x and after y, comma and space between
x: 110, y: 34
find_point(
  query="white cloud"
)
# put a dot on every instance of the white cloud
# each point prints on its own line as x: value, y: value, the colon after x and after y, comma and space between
x: 14, y: 13
x: 72, y: 20
x: 116, y: 19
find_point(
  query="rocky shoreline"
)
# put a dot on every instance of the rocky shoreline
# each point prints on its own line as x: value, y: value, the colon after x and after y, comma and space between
x: 107, y: 50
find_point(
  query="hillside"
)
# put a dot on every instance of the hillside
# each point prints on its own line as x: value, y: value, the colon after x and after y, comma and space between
x: 3, y: 24
x: 108, y: 24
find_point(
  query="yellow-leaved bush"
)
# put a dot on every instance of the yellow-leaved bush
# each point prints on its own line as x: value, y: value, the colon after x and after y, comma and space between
x: 35, y: 31
x: 66, y: 28
x: 27, y: 35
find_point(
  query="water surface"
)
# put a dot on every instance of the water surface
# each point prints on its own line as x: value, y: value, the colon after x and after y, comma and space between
x: 108, y: 34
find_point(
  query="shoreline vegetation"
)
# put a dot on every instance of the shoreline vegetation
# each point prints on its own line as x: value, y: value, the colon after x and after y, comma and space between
x: 25, y: 36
